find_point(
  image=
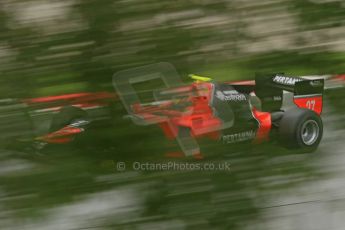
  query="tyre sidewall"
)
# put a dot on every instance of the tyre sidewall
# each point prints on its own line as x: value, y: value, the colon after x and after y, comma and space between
x: 291, y: 127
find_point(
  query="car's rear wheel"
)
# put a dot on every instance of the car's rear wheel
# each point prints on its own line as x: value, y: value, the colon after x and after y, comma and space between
x: 301, y: 128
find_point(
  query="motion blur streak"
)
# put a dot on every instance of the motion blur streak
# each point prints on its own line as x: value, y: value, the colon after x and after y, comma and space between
x: 52, y: 49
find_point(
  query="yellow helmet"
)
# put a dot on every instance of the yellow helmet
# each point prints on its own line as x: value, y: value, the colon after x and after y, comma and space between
x: 199, y: 78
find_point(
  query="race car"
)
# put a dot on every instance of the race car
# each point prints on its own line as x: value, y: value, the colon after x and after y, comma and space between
x: 273, y: 105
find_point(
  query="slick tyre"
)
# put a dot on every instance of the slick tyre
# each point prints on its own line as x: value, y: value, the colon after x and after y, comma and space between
x: 301, y: 129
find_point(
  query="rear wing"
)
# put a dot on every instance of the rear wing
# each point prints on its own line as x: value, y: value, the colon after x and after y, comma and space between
x: 306, y: 93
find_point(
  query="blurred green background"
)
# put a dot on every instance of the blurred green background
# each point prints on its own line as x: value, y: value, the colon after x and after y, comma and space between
x: 50, y: 47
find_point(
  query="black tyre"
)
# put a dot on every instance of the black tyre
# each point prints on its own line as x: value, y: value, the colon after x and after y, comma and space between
x: 301, y: 129
x: 66, y: 116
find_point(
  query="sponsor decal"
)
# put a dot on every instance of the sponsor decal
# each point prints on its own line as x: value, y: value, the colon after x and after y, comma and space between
x: 316, y: 83
x: 238, y: 137
x: 229, y: 92
x: 277, y: 98
x: 230, y: 95
x: 285, y: 80
x: 79, y: 123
